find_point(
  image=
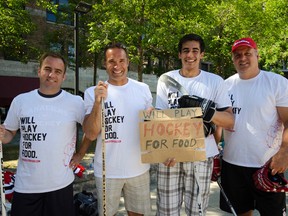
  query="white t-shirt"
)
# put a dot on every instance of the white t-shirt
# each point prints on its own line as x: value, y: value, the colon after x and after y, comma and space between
x: 258, y: 129
x: 122, y: 106
x: 47, y: 143
x: 205, y: 85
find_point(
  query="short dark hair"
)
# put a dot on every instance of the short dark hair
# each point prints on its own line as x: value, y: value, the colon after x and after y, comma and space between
x: 54, y: 55
x: 191, y: 37
x: 115, y: 45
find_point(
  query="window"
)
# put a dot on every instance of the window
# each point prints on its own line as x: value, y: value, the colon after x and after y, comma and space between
x: 63, y: 15
x: 56, y: 47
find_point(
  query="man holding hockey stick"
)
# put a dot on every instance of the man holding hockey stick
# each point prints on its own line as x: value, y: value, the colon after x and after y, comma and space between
x: 260, y: 106
x: 123, y: 99
x: 205, y: 90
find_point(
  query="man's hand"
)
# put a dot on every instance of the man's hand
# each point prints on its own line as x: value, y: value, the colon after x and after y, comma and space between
x: 100, y: 91
x: 75, y: 160
x: 149, y: 110
x: 170, y: 162
x: 279, y: 162
x: 6, y: 135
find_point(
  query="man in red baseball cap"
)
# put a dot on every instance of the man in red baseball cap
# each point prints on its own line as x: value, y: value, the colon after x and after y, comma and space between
x: 260, y: 106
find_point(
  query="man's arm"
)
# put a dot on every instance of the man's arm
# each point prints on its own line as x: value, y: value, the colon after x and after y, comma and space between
x: 6, y: 135
x: 279, y: 163
x: 92, y: 121
x: 78, y: 156
x: 218, y: 134
x: 224, y: 119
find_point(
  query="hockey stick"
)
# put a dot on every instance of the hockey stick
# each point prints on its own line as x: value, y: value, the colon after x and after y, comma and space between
x: 171, y: 82
x: 3, y: 200
x: 103, y: 157
x: 226, y: 198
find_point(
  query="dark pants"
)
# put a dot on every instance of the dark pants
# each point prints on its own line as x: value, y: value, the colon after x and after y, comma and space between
x: 54, y: 203
x: 239, y: 187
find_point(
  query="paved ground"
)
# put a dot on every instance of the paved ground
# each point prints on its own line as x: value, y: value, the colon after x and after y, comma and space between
x: 213, y: 209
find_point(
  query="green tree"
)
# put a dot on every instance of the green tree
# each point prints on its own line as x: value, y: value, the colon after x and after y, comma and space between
x: 274, y: 35
x: 15, y: 27
x: 264, y: 21
x: 146, y: 26
x: 151, y: 30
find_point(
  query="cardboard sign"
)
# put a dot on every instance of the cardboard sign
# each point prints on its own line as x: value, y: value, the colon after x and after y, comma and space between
x: 172, y: 133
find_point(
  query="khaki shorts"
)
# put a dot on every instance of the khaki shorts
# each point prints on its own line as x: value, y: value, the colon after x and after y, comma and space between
x: 136, y: 193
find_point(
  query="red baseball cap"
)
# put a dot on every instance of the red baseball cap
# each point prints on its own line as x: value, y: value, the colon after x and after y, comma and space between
x: 244, y: 42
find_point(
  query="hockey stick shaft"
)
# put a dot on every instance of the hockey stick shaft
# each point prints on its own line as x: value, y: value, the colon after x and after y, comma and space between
x: 103, y: 157
x: 226, y: 198
x: 3, y: 200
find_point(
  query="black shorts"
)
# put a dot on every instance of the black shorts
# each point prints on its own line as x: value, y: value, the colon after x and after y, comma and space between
x: 239, y: 187
x: 56, y: 203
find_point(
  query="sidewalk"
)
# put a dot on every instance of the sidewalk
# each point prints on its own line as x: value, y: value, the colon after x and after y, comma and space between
x: 213, y: 207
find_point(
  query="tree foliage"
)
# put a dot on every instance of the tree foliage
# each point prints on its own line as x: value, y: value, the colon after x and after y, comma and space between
x: 16, y: 25
x: 264, y: 21
x: 151, y: 29
x: 148, y: 27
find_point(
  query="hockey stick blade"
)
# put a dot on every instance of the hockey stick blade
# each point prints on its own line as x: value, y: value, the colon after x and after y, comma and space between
x: 171, y: 82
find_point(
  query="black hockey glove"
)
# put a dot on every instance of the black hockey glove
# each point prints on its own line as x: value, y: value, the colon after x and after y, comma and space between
x: 208, y: 107
x: 209, y: 128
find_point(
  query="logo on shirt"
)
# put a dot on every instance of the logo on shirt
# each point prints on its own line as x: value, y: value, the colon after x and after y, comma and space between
x: 236, y: 110
x: 111, y: 119
x: 29, y: 135
x: 173, y: 100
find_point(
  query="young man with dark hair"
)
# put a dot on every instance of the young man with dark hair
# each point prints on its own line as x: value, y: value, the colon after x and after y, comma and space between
x: 191, y: 180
